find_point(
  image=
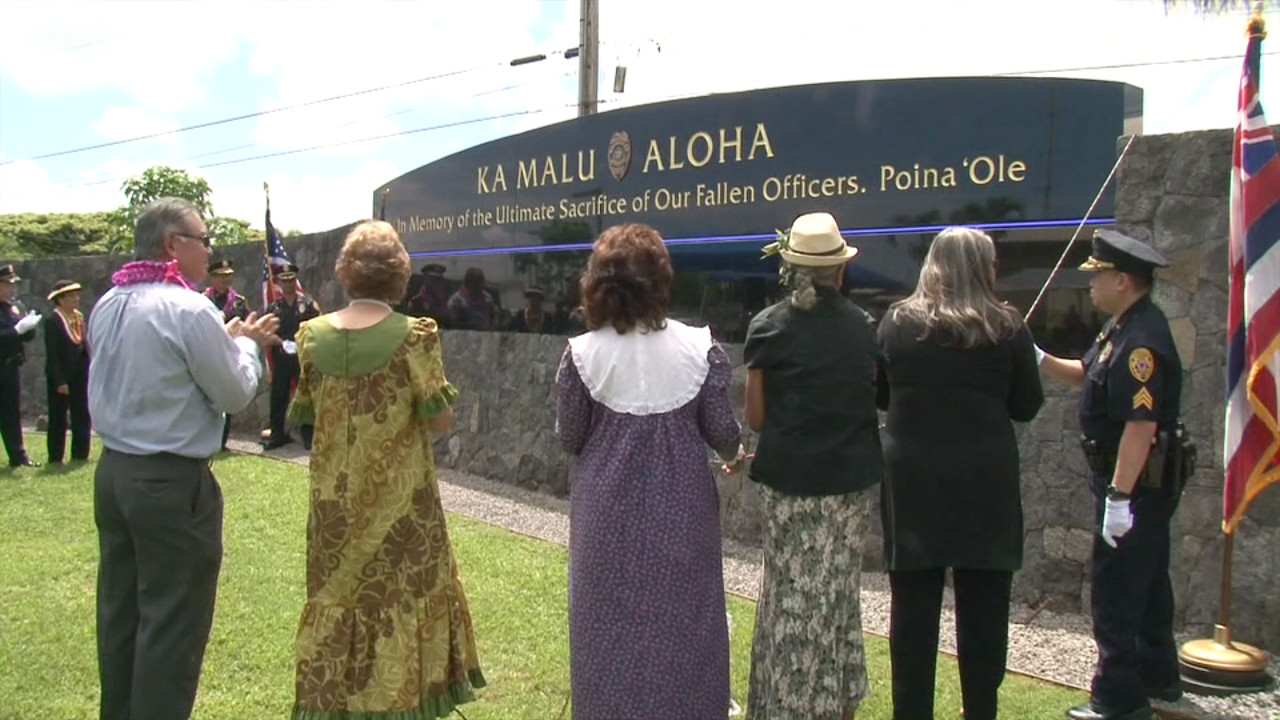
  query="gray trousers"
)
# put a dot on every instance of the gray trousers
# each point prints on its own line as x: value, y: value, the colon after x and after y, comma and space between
x: 159, y: 523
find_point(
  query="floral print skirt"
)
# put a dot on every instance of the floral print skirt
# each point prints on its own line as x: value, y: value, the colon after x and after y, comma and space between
x: 807, y: 657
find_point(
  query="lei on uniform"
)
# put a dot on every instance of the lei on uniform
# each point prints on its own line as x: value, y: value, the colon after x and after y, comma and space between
x: 141, y: 272
x: 230, y: 305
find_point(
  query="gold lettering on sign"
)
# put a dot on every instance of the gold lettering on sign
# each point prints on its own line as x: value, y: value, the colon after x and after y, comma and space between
x: 540, y: 173
x: 527, y: 174
x: 761, y: 140
x: 736, y: 144
x: 689, y: 151
x: 702, y: 146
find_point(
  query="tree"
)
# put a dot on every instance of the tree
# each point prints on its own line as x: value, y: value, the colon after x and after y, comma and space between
x: 160, y: 181
x: 33, y: 235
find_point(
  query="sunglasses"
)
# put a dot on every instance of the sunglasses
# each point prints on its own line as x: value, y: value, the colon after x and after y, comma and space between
x: 204, y: 239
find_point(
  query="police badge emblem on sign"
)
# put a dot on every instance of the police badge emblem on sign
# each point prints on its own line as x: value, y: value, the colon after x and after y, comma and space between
x: 619, y: 154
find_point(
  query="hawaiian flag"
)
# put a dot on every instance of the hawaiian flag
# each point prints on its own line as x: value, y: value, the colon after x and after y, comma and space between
x: 1252, y: 441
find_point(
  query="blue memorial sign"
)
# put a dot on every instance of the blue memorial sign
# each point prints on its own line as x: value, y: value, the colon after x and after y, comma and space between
x: 879, y: 155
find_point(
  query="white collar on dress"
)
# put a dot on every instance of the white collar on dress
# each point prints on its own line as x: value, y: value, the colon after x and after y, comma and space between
x: 643, y: 373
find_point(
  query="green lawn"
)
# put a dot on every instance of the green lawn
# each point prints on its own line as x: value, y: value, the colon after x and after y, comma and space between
x: 516, y: 586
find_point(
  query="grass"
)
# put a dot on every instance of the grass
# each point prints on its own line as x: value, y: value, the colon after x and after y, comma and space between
x: 516, y: 587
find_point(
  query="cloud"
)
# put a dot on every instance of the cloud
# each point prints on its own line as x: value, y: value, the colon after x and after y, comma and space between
x: 155, y: 52
x: 25, y: 188
x: 121, y: 123
x: 312, y: 202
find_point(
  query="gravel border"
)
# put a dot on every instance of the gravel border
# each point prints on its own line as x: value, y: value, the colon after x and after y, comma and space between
x: 1052, y: 646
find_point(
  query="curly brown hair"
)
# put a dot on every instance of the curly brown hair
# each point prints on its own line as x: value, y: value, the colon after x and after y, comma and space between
x: 628, y: 280
x: 373, y: 263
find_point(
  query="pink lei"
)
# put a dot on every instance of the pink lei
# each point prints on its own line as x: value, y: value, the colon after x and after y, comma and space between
x: 141, y: 272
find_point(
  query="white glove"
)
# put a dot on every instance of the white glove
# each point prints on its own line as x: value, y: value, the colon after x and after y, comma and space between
x: 1039, y: 355
x: 28, y: 321
x: 290, y: 347
x: 1117, y: 520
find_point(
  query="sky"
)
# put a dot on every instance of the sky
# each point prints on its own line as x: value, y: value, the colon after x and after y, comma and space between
x: 79, y: 74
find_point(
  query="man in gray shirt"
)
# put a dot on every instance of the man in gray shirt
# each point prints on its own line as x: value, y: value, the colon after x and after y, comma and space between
x: 165, y: 371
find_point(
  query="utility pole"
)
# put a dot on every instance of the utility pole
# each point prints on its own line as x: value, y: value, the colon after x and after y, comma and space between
x: 589, y: 58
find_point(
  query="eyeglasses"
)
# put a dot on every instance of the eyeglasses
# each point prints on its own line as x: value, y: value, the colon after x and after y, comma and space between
x: 202, y: 238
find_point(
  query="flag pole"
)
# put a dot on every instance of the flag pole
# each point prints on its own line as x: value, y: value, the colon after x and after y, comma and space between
x: 382, y: 211
x: 1220, y: 666
x: 265, y: 434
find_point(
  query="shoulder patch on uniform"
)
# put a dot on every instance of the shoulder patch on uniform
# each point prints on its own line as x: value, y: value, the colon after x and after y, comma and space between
x: 1141, y: 365
x: 1143, y: 399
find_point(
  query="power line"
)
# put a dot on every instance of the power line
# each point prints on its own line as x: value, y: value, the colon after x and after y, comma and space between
x: 260, y: 113
x: 442, y: 126
x: 1138, y: 64
x: 101, y: 179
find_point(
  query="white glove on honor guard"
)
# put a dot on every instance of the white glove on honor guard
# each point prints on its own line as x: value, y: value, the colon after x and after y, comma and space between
x: 1117, y: 520
x: 28, y: 321
x: 289, y: 347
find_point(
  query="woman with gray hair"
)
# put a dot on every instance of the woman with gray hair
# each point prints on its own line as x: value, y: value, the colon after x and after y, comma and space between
x: 958, y: 366
x: 811, y: 361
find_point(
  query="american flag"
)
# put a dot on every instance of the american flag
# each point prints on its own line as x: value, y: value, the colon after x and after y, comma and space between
x: 276, y: 261
x: 1252, y: 440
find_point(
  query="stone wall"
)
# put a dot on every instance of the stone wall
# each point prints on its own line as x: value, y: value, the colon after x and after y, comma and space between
x: 1171, y: 190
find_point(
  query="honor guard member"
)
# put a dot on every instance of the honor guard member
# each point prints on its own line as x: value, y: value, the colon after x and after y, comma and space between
x: 66, y: 370
x: 1131, y: 381
x: 292, y: 309
x: 17, y: 326
x: 232, y: 305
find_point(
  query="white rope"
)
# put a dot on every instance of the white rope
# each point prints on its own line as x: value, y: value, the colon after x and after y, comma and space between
x: 1079, y: 227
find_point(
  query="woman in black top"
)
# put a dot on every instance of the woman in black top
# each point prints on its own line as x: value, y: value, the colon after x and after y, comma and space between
x: 957, y: 367
x: 811, y: 363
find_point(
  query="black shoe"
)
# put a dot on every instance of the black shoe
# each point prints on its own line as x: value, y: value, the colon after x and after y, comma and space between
x: 273, y: 443
x: 25, y: 462
x: 1169, y: 694
x: 1089, y: 711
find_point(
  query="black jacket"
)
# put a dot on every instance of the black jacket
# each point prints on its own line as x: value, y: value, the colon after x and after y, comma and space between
x: 66, y: 362
x: 951, y: 493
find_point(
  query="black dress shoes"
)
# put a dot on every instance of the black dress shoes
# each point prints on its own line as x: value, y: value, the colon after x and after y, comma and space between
x: 1090, y: 711
x: 274, y: 442
x: 1170, y: 694
x: 25, y: 462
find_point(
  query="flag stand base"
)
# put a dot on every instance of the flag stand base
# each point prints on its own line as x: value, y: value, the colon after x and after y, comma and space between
x: 1221, y: 666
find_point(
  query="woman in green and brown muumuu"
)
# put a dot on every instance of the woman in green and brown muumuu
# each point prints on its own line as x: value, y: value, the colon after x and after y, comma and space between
x: 385, y: 631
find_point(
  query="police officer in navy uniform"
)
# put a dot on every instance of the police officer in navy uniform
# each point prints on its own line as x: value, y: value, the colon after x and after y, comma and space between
x: 292, y: 309
x: 17, y: 327
x: 1131, y: 381
x: 230, y: 303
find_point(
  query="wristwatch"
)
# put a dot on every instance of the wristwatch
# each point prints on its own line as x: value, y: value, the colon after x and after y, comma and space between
x: 1114, y: 493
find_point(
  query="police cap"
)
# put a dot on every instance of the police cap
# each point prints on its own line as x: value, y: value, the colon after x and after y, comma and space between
x: 8, y: 274
x: 1113, y: 251
x: 434, y: 269
x: 222, y: 267
x: 288, y: 272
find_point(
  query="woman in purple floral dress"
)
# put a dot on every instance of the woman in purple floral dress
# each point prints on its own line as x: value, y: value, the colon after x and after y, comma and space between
x: 641, y: 397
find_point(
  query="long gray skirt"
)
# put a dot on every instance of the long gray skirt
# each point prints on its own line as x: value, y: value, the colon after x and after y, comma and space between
x: 807, y: 657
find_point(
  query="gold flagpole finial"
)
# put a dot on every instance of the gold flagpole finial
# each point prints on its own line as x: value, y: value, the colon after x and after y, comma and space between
x: 1257, y: 26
